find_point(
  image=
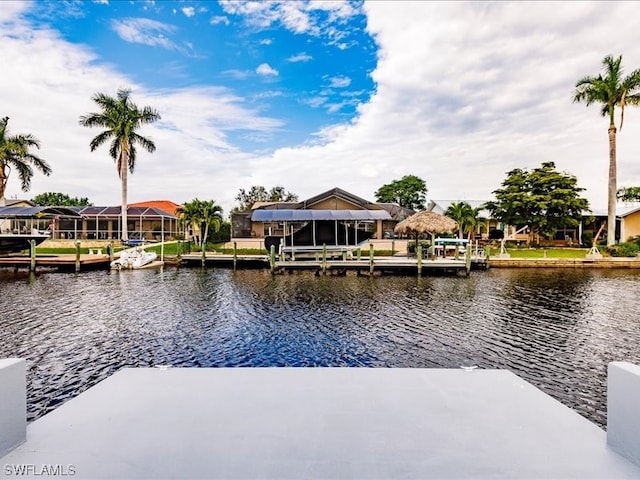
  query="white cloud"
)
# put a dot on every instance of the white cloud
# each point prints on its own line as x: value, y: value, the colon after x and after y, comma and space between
x: 218, y: 19
x: 188, y: 11
x: 300, y: 57
x: 316, y: 18
x: 266, y: 41
x: 266, y: 70
x: 144, y: 31
x: 339, y: 82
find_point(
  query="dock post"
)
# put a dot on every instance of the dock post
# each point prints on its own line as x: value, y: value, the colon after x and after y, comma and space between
x: 32, y: 251
x: 419, y: 255
x: 272, y: 258
x: 324, y: 258
x: 467, y: 262
x: 77, y: 256
x: 371, y: 258
x: 235, y: 254
x: 204, y: 256
x: 358, y: 254
x: 110, y: 249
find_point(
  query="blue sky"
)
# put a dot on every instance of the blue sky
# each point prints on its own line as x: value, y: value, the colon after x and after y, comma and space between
x: 313, y: 95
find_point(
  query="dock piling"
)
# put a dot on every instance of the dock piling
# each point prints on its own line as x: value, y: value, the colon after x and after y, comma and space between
x: 371, y: 258
x: 272, y: 258
x: 235, y: 254
x: 419, y: 255
x: 32, y: 252
x: 77, y: 256
x: 324, y: 258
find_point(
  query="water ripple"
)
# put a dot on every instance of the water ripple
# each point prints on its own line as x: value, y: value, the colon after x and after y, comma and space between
x: 556, y: 329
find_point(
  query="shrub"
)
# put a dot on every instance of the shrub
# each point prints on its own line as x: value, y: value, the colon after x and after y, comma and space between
x: 625, y: 249
x: 587, y: 239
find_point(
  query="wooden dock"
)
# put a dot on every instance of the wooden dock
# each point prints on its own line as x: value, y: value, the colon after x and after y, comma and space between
x: 362, y: 266
x: 66, y: 263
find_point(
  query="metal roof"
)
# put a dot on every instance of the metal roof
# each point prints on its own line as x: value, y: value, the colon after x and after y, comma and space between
x: 305, y: 215
x: 34, y: 212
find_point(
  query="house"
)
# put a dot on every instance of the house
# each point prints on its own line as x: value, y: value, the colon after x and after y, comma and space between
x: 333, y: 207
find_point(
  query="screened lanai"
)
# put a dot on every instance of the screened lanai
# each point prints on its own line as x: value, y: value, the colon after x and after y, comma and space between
x: 105, y: 223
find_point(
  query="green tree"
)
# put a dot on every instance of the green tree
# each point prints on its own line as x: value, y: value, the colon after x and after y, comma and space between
x: 409, y: 192
x: 610, y: 91
x: 202, y: 215
x: 258, y: 193
x: 60, y: 200
x: 465, y: 215
x: 629, y: 194
x: 121, y: 118
x: 15, y: 153
x: 543, y: 198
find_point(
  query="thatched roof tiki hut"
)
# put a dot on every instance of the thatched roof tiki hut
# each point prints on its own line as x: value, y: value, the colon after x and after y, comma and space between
x: 425, y: 222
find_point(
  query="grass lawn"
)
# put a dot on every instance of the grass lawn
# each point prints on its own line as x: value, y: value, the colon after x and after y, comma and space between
x: 550, y: 252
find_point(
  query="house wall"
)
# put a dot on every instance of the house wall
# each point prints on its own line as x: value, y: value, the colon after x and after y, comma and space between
x: 631, y: 226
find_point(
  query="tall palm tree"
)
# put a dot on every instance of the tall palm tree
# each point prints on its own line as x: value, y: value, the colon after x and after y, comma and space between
x: 15, y: 154
x: 121, y: 118
x: 465, y: 215
x: 611, y: 90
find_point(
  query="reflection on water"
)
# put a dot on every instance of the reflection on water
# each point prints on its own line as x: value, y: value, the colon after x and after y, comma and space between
x: 557, y: 329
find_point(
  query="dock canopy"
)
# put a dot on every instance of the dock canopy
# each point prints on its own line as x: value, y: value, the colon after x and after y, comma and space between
x: 307, y: 215
x: 38, y: 212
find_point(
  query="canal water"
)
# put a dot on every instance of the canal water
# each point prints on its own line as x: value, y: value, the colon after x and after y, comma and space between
x: 557, y: 329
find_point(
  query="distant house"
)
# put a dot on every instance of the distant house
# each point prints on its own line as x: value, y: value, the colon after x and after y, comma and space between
x: 627, y: 222
x: 377, y: 218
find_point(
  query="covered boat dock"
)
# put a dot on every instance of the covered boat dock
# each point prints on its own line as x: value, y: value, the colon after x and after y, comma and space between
x: 309, y: 231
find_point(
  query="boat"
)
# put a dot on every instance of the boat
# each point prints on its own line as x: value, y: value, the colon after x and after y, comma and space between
x: 18, y: 242
x: 135, y: 259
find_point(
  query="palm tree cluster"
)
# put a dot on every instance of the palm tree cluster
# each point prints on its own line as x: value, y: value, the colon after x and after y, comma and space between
x: 15, y: 153
x: 466, y: 216
x: 610, y: 90
x: 201, y: 215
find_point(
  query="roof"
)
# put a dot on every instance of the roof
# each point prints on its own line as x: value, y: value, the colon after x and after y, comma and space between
x: 164, y: 205
x: 147, y: 212
x: 305, y: 215
x: 34, y: 212
x: 339, y: 193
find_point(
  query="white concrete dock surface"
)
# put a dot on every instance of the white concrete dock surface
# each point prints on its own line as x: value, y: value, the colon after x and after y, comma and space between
x: 301, y: 423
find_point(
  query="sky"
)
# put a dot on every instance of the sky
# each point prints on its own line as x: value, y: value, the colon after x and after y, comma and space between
x: 312, y: 95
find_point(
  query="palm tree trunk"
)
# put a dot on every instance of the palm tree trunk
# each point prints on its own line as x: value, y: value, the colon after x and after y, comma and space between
x: 611, y: 207
x: 124, y: 166
x: 3, y: 183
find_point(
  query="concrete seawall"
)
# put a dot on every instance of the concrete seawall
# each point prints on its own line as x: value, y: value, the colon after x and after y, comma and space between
x: 607, y: 262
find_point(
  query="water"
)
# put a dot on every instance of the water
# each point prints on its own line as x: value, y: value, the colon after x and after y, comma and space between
x: 557, y: 329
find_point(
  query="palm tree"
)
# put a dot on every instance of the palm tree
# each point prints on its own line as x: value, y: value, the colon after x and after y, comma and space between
x: 465, y: 215
x: 121, y: 118
x: 201, y: 214
x: 15, y: 154
x: 610, y: 91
